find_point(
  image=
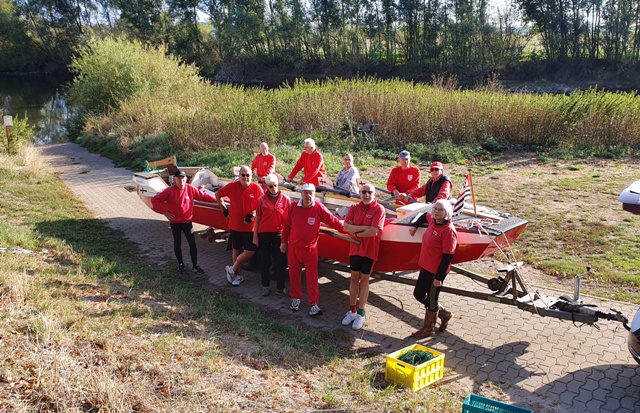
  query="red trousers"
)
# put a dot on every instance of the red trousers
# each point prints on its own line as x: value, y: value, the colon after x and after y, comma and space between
x: 309, y: 257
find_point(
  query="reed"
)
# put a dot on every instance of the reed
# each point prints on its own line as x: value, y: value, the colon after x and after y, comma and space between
x: 191, y: 115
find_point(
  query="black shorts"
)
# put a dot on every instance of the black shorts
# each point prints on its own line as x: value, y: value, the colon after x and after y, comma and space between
x: 243, y: 241
x: 361, y: 264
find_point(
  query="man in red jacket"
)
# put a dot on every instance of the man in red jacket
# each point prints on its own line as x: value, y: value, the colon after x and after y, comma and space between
x: 176, y: 203
x: 364, y: 221
x: 300, y: 240
x: 263, y: 164
x: 243, y: 196
x: 404, y: 178
x: 312, y: 162
x: 436, y: 188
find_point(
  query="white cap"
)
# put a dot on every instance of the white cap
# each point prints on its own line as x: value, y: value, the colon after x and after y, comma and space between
x: 309, y: 187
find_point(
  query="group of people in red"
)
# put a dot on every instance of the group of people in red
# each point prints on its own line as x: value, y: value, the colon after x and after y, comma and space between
x: 286, y: 231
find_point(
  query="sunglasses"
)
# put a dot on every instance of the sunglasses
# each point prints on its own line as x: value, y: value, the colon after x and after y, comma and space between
x: 245, y: 175
x: 366, y: 192
x: 271, y: 186
x: 434, y: 169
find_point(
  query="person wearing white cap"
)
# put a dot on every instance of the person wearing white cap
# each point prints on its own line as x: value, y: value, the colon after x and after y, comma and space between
x: 437, y: 187
x: 404, y: 178
x: 176, y: 203
x: 300, y: 242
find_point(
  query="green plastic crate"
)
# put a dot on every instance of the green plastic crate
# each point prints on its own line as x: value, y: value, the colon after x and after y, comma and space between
x: 478, y: 404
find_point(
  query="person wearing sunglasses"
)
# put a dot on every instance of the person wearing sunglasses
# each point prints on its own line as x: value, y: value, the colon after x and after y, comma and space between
x: 364, y: 221
x: 437, y: 187
x: 311, y: 162
x: 263, y: 164
x: 243, y: 198
x: 439, y: 242
x: 300, y: 241
x: 404, y: 178
x: 272, y: 209
x: 176, y: 203
x: 348, y: 176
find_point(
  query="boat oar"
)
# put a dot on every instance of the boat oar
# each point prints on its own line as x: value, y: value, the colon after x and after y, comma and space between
x: 339, y: 236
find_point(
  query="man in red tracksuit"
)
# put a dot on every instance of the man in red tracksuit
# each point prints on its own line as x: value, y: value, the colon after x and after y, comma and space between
x: 243, y: 195
x: 300, y: 240
x: 176, y: 203
x: 312, y: 162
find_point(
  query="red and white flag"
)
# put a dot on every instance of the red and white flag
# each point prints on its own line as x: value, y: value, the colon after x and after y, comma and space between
x: 465, y: 191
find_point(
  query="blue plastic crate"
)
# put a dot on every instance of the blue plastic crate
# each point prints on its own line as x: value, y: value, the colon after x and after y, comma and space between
x: 478, y: 404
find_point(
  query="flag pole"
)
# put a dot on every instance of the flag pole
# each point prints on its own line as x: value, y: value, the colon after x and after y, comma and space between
x: 473, y: 193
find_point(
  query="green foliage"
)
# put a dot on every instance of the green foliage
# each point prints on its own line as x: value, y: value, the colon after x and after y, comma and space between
x: 21, y: 131
x: 110, y: 71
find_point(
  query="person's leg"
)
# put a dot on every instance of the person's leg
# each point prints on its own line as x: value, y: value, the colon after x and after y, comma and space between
x: 295, y: 273
x: 265, y: 265
x: 249, y: 249
x: 311, y: 270
x: 280, y: 260
x: 363, y: 276
x: 187, y: 228
x: 423, y: 284
x: 176, y: 231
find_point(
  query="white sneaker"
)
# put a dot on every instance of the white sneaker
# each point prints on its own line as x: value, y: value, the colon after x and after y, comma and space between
x: 230, y: 274
x: 358, y: 322
x: 348, y: 318
x: 295, y: 304
x: 315, y: 310
x: 237, y: 280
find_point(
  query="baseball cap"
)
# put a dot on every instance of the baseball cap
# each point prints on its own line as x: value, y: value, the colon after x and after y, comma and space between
x: 179, y: 173
x: 309, y: 187
x: 404, y: 155
x: 436, y: 165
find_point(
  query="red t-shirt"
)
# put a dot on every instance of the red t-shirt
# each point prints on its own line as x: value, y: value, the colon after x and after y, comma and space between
x: 272, y: 212
x: 179, y: 202
x: 302, y: 225
x: 242, y: 201
x: 264, y: 164
x: 437, y: 240
x: 313, y: 166
x: 404, y: 180
x: 371, y: 215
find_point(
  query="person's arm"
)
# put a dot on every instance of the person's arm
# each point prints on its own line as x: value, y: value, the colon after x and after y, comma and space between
x: 297, y: 167
x: 417, y: 223
x: 286, y: 229
x: 391, y: 181
x: 222, y: 192
x: 417, y: 194
x: 445, y: 262
x: 256, y: 224
x: 271, y: 165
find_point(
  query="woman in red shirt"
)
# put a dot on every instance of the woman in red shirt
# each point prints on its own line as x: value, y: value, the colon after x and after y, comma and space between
x: 439, y: 242
x: 272, y: 209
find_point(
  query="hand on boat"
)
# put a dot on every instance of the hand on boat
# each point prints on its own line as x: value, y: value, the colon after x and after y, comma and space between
x: 412, y: 231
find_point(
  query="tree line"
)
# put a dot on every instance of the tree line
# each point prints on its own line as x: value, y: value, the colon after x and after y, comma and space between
x: 300, y: 35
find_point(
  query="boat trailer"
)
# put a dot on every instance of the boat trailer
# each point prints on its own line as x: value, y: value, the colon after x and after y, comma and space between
x: 511, y: 289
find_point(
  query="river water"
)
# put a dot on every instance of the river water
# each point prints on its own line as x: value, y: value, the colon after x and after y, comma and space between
x: 42, y: 101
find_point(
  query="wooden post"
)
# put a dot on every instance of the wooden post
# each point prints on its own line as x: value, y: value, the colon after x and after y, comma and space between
x: 8, y: 123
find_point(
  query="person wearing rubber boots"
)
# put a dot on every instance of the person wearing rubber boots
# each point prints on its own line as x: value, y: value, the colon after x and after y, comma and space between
x: 439, y: 242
